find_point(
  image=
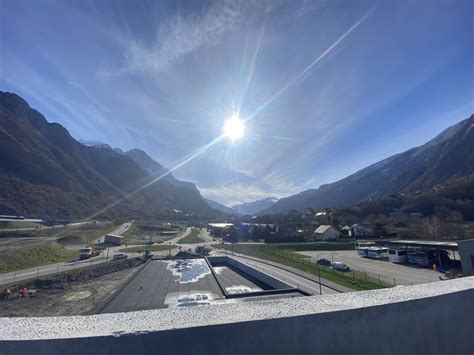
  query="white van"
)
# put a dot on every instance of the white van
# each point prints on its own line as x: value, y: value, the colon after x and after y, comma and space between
x: 85, y: 253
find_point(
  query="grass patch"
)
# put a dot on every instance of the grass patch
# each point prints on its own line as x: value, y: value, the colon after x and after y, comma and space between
x: 144, y: 233
x: 354, y: 279
x: 192, y: 237
x: 83, y: 236
x: 140, y: 249
x: 27, y: 257
x: 18, y: 224
x: 469, y: 230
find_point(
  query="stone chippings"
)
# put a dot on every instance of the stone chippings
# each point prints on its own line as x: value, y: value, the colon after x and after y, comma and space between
x: 118, y: 324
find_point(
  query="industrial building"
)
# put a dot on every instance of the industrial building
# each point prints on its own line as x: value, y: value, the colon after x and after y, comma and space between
x: 113, y: 239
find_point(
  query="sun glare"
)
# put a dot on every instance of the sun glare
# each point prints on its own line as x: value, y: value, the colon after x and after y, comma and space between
x: 234, y: 128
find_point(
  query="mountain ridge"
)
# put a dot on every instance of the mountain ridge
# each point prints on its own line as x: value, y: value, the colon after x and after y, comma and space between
x: 447, y: 156
x: 55, y: 176
x: 254, y: 207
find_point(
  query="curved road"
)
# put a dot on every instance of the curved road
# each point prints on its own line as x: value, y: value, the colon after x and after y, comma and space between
x: 43, y: 270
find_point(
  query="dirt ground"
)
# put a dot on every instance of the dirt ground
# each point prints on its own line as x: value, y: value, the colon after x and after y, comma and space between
x: 67, y: 298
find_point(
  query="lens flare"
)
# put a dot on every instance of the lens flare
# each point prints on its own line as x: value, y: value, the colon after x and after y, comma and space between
x: 234, y: 128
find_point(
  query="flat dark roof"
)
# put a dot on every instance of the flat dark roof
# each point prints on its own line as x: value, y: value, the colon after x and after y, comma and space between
x: 425, y: 244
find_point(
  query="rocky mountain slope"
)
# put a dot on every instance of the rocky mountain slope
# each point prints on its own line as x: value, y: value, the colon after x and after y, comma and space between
x: 251, y: 208
x: 44, y: 172
x: 220, y: 207
x: 447, y: 157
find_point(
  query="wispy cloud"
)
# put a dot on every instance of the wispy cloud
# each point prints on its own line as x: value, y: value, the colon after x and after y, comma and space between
x: 182, y: 35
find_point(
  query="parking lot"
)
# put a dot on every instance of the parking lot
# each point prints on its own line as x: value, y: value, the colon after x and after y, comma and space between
x: 403, y: 274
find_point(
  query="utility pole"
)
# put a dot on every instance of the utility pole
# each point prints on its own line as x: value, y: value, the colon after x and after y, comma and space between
x: 319, y: 274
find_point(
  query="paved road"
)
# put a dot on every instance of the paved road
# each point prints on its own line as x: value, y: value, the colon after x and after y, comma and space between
x: 119, y: 231
x: 25, y: 274
x: 403, y: 274
x: 278, y: 271
x: 70, y: 225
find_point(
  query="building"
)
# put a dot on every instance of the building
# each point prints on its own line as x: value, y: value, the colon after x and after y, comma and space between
x: 308, y: 211
x: 321, y: 217
x: 346, y: 231
x: 113, y: 239
x: 362, y: 230
x: 326, y: 232
x: 466, y: 253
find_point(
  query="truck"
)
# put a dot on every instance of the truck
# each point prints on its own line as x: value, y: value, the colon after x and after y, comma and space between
x: 87, y: 253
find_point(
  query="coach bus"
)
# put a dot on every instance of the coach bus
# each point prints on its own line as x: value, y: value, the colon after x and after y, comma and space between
x: 397, y: 256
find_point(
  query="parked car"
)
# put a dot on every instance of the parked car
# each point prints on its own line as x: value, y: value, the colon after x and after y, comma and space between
x: 340, y: 266
x: 324, y: 262
x: 120, y: 256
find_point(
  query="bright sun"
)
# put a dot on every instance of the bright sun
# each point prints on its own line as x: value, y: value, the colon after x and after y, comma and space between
x: 234, y: 128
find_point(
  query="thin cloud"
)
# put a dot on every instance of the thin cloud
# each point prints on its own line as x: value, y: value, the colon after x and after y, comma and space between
x: 180, y: 36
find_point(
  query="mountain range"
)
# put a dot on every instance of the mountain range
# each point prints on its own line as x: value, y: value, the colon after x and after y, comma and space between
x: 255, y: 207
x: 445, y: 158
x: 46, y: 173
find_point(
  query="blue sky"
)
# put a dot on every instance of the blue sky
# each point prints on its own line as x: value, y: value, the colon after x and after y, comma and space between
x: 330, y: 86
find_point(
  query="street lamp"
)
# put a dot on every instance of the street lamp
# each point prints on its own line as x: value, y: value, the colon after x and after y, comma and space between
x: 319, y: 274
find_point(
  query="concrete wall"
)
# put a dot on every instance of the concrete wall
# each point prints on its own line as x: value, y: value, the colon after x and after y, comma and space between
x: 261, y: 276
x: 435, y: 318
x: 466, y: 252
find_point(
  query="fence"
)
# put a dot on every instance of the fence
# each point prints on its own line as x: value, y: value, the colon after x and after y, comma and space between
x: 353, y: 278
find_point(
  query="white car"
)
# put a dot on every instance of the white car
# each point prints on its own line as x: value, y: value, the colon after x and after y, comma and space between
x: 120, y: 256
x: 337, y: 265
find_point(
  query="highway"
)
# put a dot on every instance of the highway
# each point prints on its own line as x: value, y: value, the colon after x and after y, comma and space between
x: 70, y: 225
x: 25, y: 274
x: 311, y: 287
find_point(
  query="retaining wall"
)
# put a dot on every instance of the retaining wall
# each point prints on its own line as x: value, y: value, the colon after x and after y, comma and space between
x: 261, y: 276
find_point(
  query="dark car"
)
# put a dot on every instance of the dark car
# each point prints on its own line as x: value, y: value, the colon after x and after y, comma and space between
x: 324, y: 262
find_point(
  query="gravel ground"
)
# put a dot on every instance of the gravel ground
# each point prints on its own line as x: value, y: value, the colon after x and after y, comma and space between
x: 67, y: 298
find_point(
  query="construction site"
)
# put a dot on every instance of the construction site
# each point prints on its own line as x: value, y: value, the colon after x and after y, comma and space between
x: 143, y: 283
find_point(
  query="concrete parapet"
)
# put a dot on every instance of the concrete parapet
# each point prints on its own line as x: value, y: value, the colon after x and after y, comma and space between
x: 432, y: 318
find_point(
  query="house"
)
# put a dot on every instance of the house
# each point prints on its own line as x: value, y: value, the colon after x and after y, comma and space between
x: 326, y: 232
x: 346, y: 231
x: 362, y: 230
x: 321, y: 217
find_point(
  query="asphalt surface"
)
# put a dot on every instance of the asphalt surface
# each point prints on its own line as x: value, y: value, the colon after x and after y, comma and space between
x: 233, y: 282
x: 156, y: 286
x: 278, y: 271
x: 403, y: 274
x: 164, y: 284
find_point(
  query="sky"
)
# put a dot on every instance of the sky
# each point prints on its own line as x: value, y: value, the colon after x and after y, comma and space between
x: 325, y: 87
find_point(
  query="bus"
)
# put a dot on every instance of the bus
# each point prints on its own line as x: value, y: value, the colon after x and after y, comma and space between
x: 377, y: 252
x: 422, y: 259
x: 397, y: 256
x: 412, y: 257
x: 363, y: 248
x: 428, y: 257
x: 363, y: 251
